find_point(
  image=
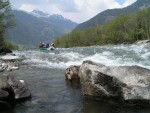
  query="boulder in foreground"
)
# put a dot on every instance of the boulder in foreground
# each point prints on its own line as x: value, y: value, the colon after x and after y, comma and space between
x: 129, y: 84
x: 12, y: 90
x: 20, y: 89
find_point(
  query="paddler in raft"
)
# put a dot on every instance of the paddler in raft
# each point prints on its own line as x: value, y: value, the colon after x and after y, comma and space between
x: 47, y: 46
x: 41, y: 45
x: 52, y: 45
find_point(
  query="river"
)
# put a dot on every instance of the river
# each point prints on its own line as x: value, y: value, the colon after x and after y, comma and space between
x: 51, y: 93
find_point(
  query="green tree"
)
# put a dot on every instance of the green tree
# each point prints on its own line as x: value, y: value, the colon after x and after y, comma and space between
x: 6, y: 20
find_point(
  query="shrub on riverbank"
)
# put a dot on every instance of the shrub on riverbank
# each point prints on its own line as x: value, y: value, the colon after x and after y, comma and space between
x: 10, y: 45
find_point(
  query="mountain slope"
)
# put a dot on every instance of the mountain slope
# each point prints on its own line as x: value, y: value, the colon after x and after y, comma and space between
x: 30, y: 30
x: 110, y: 14
x: 60, y: 22
x: 124, y: 29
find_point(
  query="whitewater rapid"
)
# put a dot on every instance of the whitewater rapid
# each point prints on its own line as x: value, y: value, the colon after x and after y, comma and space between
x: 110, y: 55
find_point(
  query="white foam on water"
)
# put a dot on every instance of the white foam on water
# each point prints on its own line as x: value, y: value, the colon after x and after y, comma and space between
x: 119, y: 55
x: 146, y: 56
x: 51, y: 60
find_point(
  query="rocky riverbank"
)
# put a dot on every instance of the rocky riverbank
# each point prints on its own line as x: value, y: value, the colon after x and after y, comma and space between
x: 10, y: 62
x: 11, y: 89
x: 125, y: 84
x: 4, y: 51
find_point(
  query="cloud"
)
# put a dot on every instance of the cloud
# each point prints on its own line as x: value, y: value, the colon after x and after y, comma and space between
x: 76, y: 10
x: 128, y: 2
x: 64, y: 5
x: 28, y: 7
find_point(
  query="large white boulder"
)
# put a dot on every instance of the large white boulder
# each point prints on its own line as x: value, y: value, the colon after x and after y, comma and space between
x: 130, y: 84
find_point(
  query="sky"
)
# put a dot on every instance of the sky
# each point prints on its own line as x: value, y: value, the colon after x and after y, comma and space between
x: 76, y: 10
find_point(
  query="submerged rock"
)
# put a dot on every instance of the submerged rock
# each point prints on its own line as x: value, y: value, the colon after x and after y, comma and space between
x: 130, y: 84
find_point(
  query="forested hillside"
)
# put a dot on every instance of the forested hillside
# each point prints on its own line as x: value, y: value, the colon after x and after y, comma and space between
x: 126, y: 28
x: 110, y: 14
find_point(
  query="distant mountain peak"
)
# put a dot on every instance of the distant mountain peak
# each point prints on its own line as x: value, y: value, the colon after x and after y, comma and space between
x: 53, y: 17
x: 59, y: 17
x: 39, y: 13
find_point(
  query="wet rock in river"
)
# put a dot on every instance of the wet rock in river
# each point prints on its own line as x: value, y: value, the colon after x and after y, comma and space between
x: 143, y: 41
x: 3, y: 66
x: 72, y: 74
x: 8, y: 66
x: 127, y: 84
x: 10, y: 62
x: 20, y: 89
x: 130, y: 84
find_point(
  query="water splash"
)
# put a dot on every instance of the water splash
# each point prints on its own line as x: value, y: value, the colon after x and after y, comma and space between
x: 117, y: 55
